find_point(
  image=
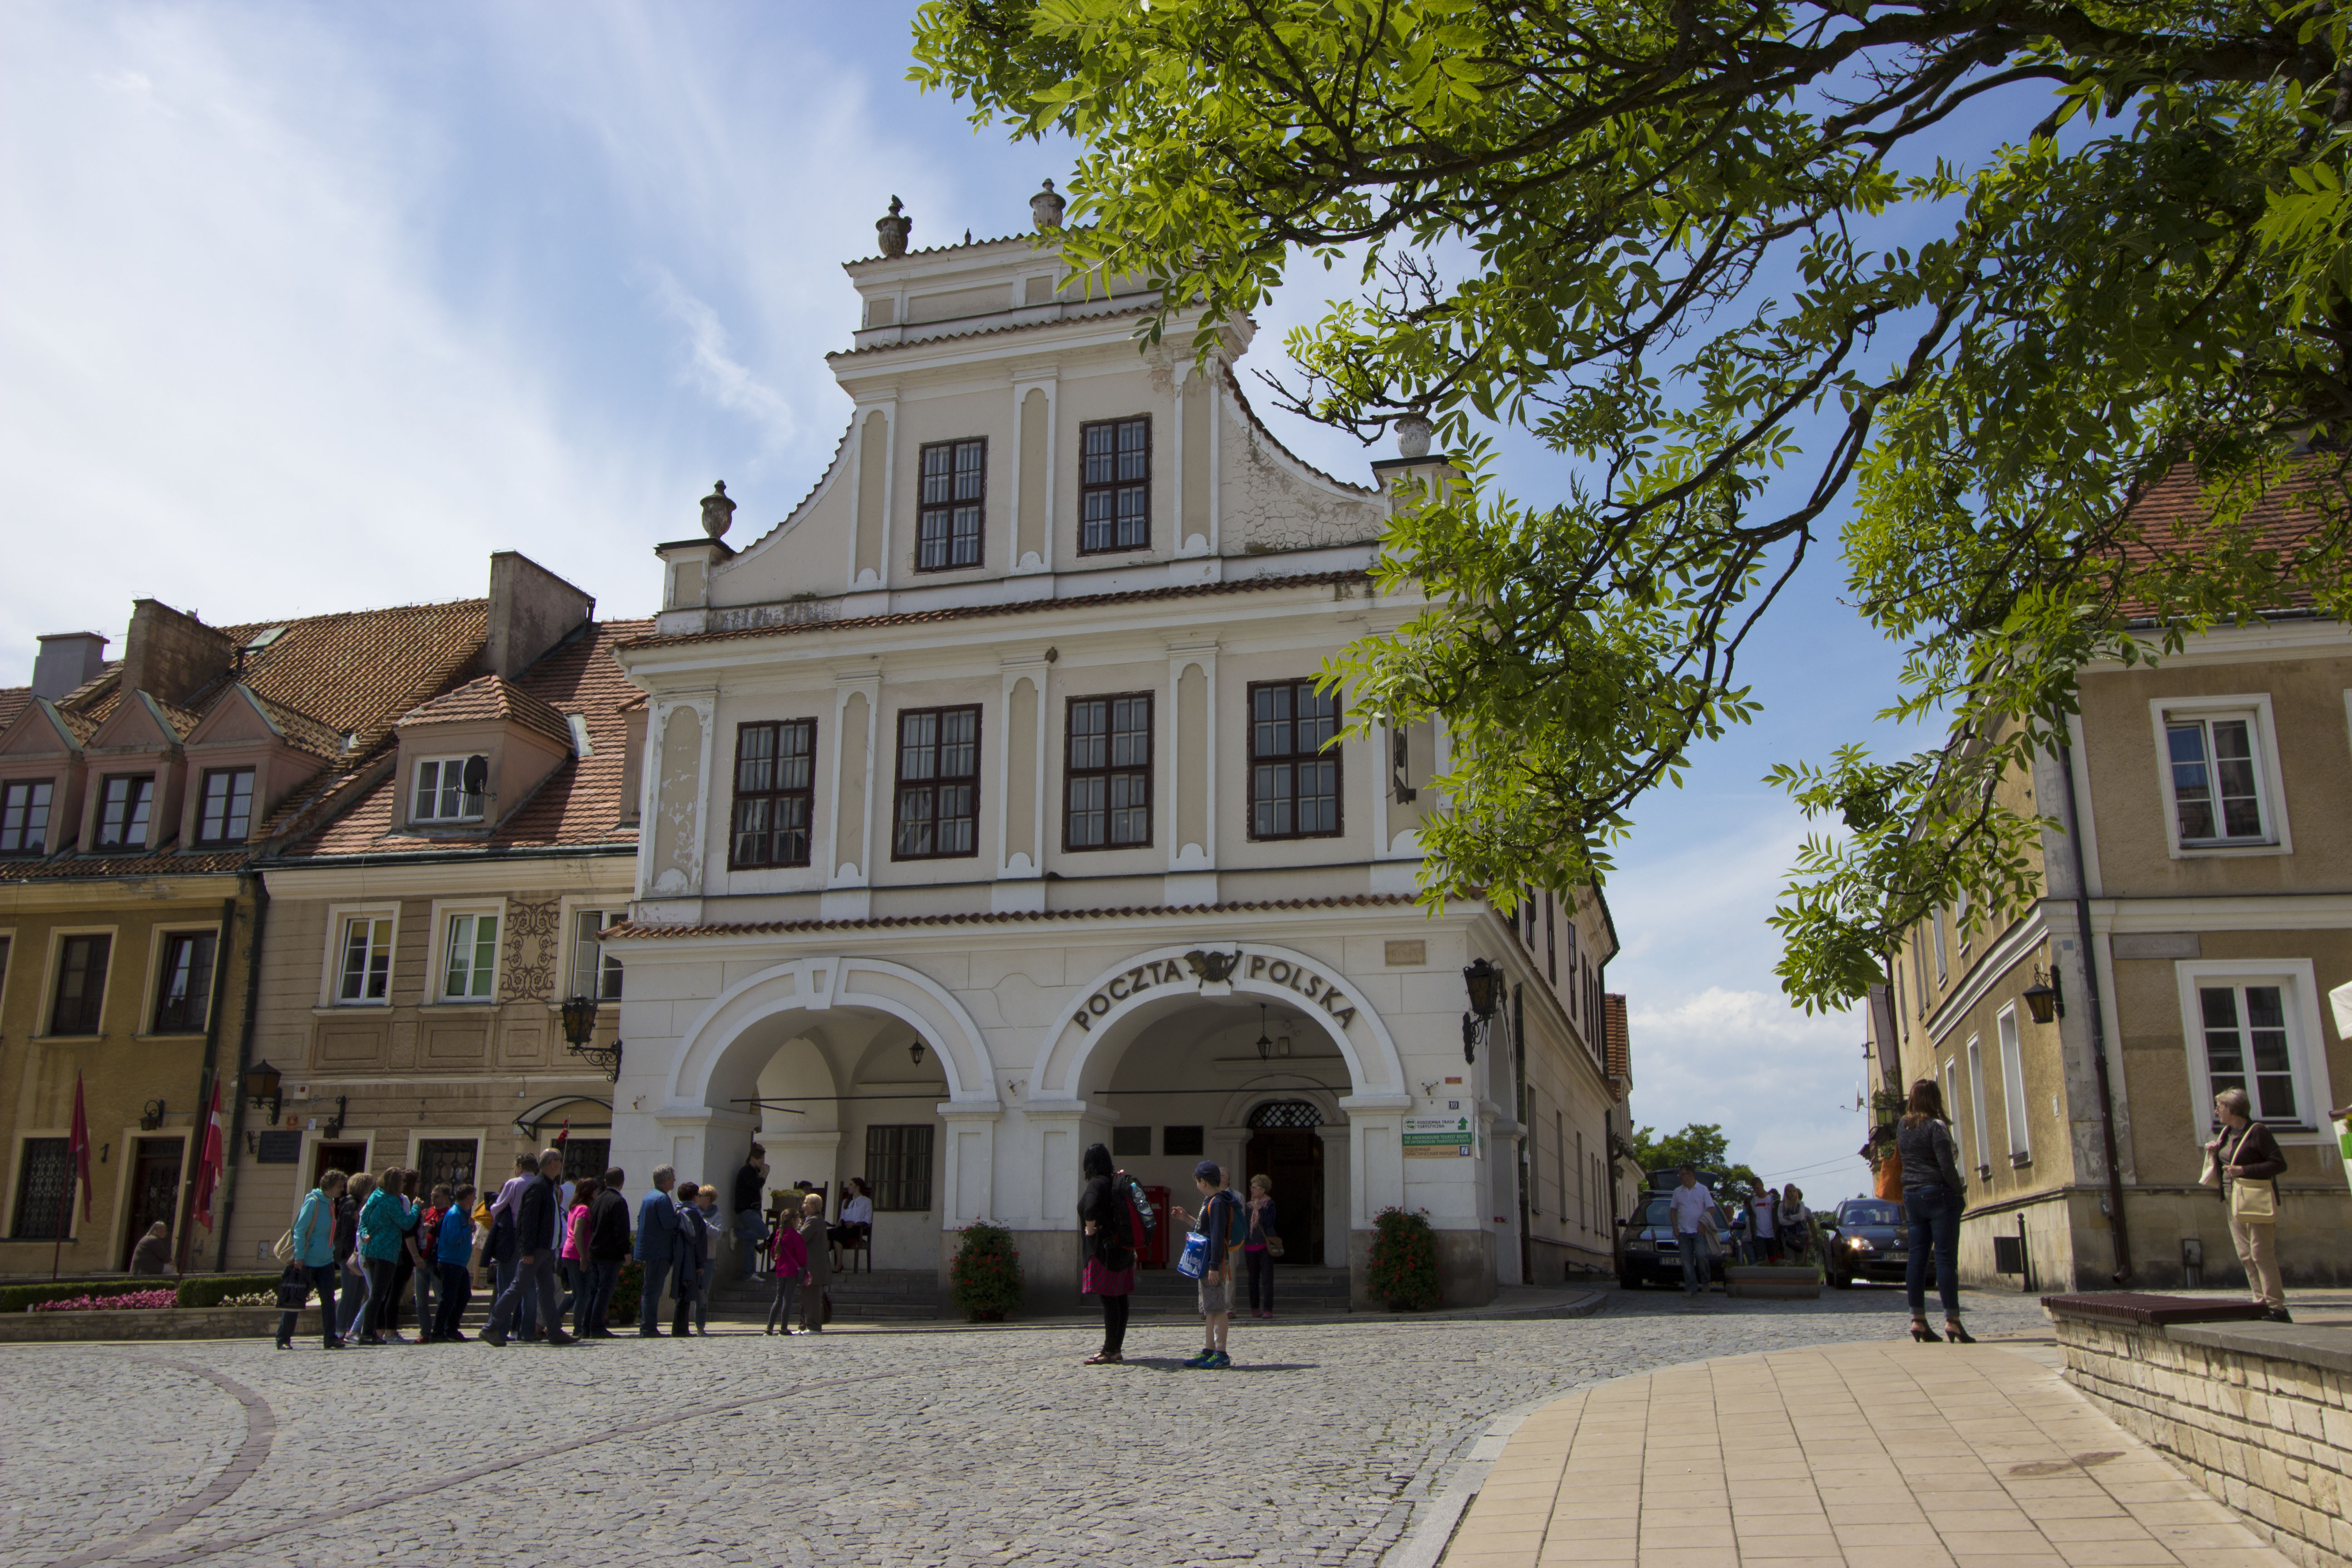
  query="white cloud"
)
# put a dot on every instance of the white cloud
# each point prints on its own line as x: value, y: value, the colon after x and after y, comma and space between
x: 713, y: 370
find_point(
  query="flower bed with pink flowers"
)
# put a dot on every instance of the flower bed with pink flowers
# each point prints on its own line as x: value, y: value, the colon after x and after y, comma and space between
x: 165, y: 1298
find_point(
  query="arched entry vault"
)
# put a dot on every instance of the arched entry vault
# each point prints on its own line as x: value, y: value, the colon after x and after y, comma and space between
x: 1121, y: 1001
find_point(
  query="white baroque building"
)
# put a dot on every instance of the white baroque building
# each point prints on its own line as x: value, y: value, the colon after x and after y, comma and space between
x: 989, y: 815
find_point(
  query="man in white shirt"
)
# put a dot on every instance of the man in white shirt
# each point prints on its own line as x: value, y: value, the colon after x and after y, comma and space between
x: 1694, y: 1210
x: 1763, y: 1234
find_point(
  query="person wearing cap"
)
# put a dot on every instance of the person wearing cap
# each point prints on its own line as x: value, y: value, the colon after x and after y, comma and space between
x: 1220, y: 1221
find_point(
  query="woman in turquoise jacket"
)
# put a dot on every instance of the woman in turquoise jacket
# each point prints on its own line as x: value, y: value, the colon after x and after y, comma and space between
x: 314, y: 1256
x: 383, y: 1221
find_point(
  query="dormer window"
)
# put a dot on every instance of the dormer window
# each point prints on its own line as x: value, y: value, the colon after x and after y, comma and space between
x: 123, y: 806
x: 224, y: 810
x: 25, y: 817
x: 449, y: 789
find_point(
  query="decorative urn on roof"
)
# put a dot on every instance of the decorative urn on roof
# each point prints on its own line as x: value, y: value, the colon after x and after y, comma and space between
x: 892, y: 228
x: 1413, y: 430
x: 718, y: 511
x: 1045, y: 208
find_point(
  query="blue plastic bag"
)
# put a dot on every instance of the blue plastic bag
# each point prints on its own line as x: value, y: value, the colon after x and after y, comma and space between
x: 1195, y: 1260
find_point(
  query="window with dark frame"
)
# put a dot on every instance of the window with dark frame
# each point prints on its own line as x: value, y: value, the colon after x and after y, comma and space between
x: 1115, y: 485
x: 937, y: 809
x: 25, y: 817
x: 45, y: 1183
x: 224, y: 809
x: 948, y: 517
x: 1552, y: 940
x: 1294, y: 783
x: 184, y: 996
x: 775, y: 772
x: 1131, y: 1141
x: 1107, y: 762
x: 451, y: 1160
x: 82, y: 985
x: 898, y: 1165
x: 2216, y: 786
x: 1182, y: 1141
x: 123, y: 804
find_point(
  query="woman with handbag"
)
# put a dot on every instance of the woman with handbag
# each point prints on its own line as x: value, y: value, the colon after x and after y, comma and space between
x: 1263, y: 1245
x: 1109, y: 1246
x: 1933, y: 1197
x: 308, y: 1250
x: 2245, y: 1162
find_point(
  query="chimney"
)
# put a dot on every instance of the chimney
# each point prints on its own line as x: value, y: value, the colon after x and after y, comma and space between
x: 531, y: 610
x: 67, y: 661
x: 170, y: 655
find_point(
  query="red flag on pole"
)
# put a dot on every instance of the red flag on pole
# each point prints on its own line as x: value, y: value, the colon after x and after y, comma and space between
x: 565, y: 1132
x: 77, y: 1146
x: 208, y: 1163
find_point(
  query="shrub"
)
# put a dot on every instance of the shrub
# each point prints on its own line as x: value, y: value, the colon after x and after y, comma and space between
x: 214, y: 1290
x: 1402, y: 1270
x: 627, y: 1292
x: 986, y: 1274
x: 24, y: 1297
x: 117, y: 1300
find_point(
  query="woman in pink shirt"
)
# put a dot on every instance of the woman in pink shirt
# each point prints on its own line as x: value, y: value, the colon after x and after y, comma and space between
x: 573, y: 1254
x: 791, y: 1273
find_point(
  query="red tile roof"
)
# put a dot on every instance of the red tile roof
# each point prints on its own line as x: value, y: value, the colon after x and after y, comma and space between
x: 2171, y: 514
x: 491, y: 700
x: 580, y: 805
x: 1016, y: 608
x: 890, y: 922
x: 13, y: 699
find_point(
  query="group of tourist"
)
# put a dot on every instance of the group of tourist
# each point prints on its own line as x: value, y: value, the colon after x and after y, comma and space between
x: 1116, y: 1220
x: 367, y: 1245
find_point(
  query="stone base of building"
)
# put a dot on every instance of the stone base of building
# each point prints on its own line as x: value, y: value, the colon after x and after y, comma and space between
x: 153, y: 1324
x: 2260, y: 1415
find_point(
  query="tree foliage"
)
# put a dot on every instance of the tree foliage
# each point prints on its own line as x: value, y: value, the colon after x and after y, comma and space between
x: 1702, y: 1146
x: 1761, y: 268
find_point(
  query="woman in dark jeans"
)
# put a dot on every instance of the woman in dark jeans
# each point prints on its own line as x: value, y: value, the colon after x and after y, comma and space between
x: 1933, y: 1197
x: 1109, y: 1247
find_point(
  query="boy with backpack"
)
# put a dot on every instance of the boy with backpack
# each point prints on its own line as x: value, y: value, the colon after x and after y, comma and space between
x: 1220, y: 1223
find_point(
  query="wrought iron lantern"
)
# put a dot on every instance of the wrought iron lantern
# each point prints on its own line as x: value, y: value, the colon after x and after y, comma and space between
x: 152, y: 1116
x: 1485, y: 982
x: 2042, y: 998
x: 580, y: 1027
x: 915, y: 1053
x: 261, y: 1086
x: 1264, y: 1046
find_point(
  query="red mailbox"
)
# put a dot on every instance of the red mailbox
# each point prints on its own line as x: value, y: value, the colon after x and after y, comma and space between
x: 1153, y: 1253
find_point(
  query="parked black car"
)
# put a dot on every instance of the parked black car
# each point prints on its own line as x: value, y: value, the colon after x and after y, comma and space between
x: 1647, y: 1253
x: 1872, y: 1241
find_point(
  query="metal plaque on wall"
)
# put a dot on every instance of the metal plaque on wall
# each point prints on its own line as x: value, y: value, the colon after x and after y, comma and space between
x: 279, y: 1149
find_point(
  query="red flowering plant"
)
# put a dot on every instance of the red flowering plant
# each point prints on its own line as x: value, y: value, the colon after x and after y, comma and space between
x: 1402, y: 1270
x: 166, y: 1296
x: 986, y: 1274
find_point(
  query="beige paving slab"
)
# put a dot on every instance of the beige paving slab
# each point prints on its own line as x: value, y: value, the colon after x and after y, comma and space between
x: 1871, y: 1455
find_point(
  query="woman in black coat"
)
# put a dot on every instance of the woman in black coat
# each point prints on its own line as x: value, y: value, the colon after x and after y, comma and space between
x: 1109, y: 1250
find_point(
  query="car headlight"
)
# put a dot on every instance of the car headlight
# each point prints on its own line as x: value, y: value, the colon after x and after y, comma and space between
x: 1862, y: 1244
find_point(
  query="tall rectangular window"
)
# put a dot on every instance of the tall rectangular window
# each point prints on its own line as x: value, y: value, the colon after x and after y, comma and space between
x: 184, y: 995
x: 449, y: 789
x: 25, y: 817
x: 1115, y: 485
x: 2217, y: 794
x: 225, y: 809
x: 899, y: 1167
x: 1108, y: 760
x: 1551, y: 941
x: 82, y: 985
x: 1936, y: 934
x: 44, y: 1185
x: 938, y: 806
x: 1293, y: 782
x: 1982, y: 1139
x: 2012, y: 1089
x: 471, y: 963
x: 775, y: 770
x: 947, y: 522
x: 2247, y: 1046
x: 596, y: 974
x: 1919, y: 974
x: 123, y: 804
x: 366, y: 968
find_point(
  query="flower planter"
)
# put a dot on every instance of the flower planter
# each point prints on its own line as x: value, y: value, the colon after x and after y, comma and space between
x: 154, y: 1323
x: 1772, y: 1281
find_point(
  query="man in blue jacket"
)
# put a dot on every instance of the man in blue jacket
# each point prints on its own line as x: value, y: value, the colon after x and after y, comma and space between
x: 656, y: 1246
x: 453, y: 1251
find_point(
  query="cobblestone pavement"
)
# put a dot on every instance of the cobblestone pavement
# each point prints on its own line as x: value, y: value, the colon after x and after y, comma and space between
x: 986, y: 1447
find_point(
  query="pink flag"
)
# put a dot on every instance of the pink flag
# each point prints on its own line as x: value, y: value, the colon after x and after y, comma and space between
x: 208, y: 1163
x: 77, y: 1146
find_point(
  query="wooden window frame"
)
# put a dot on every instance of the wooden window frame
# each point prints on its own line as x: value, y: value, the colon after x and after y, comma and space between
x: 341, y: 970
x: 1108, y: 772
x: 205, y: 802
x: 943, y: 512
x: 96, y: 1006
x: 778, y: 798
x: 1112, y: 485
x: 29, y: 840
x: 898, y: 1176
x: 130, y: 803
x: 604, y: 970
x: 1293, y: 758
x: 194, y: 1009
x: 902, y: 787
x: 480, y: 803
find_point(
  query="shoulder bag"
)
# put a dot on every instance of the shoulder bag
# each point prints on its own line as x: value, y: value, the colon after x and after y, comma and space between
x: 2254, y: 1201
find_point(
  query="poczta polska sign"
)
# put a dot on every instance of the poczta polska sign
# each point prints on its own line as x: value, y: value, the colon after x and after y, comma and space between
x: 1218, y: 969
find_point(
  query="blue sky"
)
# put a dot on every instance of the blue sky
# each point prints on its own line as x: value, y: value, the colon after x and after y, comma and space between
x: 312, y: 308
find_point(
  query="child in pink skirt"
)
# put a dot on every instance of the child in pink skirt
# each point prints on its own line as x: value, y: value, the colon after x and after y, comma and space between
x: 791, y: 1273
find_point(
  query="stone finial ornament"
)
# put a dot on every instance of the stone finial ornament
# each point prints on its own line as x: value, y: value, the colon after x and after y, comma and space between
x: 1045, y: 208
x: 892, y: 228
x: 718, y: 511
x: 1412, y: 432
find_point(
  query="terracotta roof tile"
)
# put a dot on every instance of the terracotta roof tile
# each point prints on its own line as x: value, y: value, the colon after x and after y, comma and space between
x: 891, y: 922
x: 491, y: 697
x: 579, y: 804
x: 1016, y: 608
x: 13, y: 699
x: 2171, y: 512
x: 300, y: 730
